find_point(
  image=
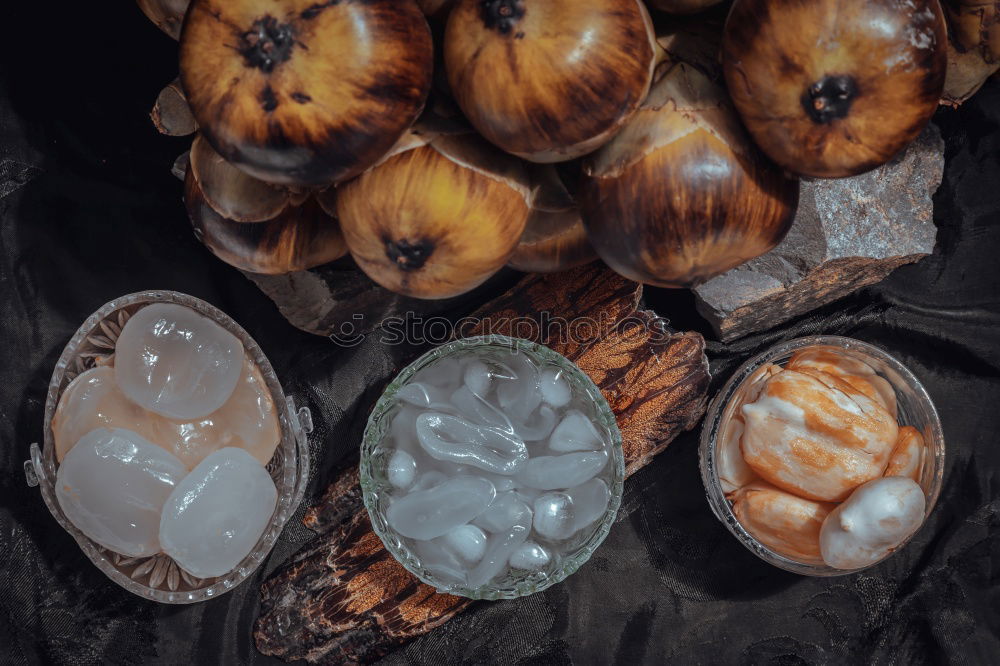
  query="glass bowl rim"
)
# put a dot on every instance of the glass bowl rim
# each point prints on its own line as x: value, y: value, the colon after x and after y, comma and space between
x: 721, y: 507
x: 533, y: 582
x: 293, y: 447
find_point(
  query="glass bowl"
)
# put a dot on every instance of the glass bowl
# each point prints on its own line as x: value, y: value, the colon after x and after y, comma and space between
x: 158, y: 577
x: 914, y: 409
x: 376, y: 488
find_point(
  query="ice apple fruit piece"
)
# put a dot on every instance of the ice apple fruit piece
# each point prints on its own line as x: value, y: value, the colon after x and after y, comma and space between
x: 173, y: 361
x: 112, y: 485
x: 217, y: 513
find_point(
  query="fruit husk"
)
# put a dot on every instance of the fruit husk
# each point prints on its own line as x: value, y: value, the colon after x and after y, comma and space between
x: 975, y: 26
x: 515, y: 83
x: 311, y: 99
x: 437, y: 217
x: 171, y: 114
x: 233, y: 194
x: 301, y: 236
x: 344, y: 599
x: 967, y: 72
x: 693, y: 40
x: 168, y: 15
x: 554, y: 238
x: 656, y: 204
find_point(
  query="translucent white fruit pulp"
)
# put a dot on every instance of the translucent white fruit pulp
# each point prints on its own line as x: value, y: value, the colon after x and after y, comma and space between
x: 494, y: 463
x: 112, y: 486
x: 216, y: 514
x: 176, y: 362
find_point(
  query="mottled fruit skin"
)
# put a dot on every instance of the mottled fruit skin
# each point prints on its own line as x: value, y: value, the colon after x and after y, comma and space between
x: 422, y: 224
x: 548, y: 80
x: 300, y: 237
x: 834, y: 88
x: 301, y: 92
x: 680, y: 195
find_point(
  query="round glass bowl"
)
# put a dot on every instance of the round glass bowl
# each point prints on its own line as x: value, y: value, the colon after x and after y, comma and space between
x: 914, y: 409
x: 376, y: 488
x: 158, y: 577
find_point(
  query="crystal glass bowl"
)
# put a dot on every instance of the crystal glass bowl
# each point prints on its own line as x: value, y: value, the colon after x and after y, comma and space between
x: 914, y: 406
x: 158, y: 577
x: 376, y: 488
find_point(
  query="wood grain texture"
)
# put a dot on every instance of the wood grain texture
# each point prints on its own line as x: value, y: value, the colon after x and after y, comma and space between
x: 344, y: 599
x: 890, y: 55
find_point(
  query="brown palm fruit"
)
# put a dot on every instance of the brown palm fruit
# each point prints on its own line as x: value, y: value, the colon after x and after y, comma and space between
x: 682, y: 6
x: 168, y: 15
x: 438, y: 216
x: 681, y: 194
x: 549, y: 80
x: 833, y: 88
x: 305, y: 93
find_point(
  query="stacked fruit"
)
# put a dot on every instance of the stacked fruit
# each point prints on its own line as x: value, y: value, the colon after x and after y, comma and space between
x: 542, y: 133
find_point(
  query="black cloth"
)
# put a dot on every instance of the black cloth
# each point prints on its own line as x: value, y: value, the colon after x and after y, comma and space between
x: 89, y: 211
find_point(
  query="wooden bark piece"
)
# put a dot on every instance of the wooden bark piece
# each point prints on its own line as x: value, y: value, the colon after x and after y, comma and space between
x: 344, y: 599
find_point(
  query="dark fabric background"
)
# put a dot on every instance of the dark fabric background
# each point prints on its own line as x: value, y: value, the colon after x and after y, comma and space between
x: 89, y: 211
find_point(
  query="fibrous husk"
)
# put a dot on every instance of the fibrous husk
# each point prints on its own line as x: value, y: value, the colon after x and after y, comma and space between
x: 967, y: 72
x: 231, y: 192
x: 975, y: 26
x: 300, y: 237
x: 345, y: 599
x: 168, y: 15
x: 171, y: 114
x: 554, y: 238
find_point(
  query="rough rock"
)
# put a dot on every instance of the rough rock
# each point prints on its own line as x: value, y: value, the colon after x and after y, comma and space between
x: 848, y: 233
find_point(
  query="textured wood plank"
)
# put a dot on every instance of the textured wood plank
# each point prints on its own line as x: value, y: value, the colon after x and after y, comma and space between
x: 344, y: 599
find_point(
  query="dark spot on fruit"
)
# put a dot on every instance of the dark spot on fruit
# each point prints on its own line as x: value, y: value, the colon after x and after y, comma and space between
x: 829, y: 98
x: 301, y: 97
x: 408, y: 256
x: 267, y: 44
x: 268, y: 100
x: 501, y: 15
x: 312, y: 11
